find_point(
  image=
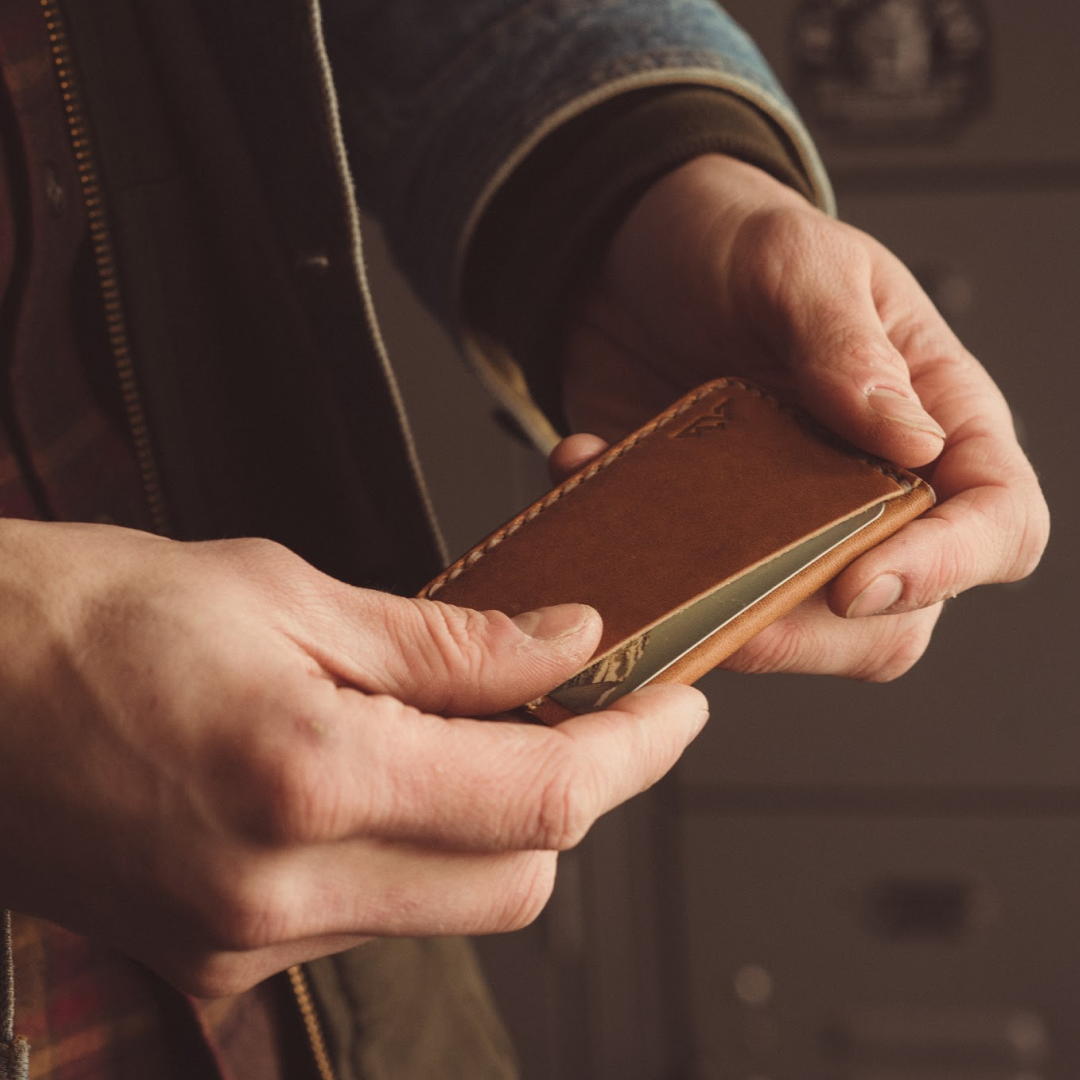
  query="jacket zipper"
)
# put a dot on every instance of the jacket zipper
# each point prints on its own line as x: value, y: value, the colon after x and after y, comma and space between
x: 116, y: 324
x: 105, y: 263
x: 312, y: 1025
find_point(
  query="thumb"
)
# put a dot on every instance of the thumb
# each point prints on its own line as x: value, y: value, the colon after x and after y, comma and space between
x: 459, y: 662
x: 847, y: 370
x: 857, y: 383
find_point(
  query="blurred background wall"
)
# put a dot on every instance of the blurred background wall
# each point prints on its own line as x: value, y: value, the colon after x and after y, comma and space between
x: 841, y: 881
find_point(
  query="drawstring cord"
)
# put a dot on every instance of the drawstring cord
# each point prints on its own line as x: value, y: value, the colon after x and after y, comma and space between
x: 14, y: 1052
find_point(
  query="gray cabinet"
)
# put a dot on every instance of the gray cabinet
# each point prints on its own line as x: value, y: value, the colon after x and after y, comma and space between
x: 859, y: 946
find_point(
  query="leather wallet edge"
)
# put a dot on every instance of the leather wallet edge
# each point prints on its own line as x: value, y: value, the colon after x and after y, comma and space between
x: 716, y: 648
x: 719, y: 646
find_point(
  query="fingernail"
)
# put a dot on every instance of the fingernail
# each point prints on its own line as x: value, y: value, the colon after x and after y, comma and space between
x: 548, y: 623
x: 877, y: 597
x: 903, y: 410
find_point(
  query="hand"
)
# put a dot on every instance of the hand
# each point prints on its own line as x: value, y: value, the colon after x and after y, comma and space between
x: 722, y: 270
x: 224, y: 762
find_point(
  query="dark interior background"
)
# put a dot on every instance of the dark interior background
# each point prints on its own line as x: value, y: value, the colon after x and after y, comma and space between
x: 849, y: 881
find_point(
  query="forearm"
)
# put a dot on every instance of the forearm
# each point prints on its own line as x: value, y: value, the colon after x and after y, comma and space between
x: 545, y: 234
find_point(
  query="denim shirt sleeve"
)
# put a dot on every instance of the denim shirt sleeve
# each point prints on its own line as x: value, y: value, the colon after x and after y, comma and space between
x: 442, y: 99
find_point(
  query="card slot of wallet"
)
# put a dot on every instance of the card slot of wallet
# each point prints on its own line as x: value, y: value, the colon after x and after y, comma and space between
x: 635, y: 663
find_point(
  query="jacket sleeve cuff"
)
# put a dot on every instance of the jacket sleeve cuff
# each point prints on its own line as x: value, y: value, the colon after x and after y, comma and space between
x: 548, y: 227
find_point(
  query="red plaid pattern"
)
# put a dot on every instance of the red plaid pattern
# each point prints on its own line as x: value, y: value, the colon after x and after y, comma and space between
x: 73, y: 436
x: 89, y: 1012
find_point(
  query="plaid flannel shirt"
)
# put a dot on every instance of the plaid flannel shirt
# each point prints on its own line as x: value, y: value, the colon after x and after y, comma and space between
x: 88, y: 1012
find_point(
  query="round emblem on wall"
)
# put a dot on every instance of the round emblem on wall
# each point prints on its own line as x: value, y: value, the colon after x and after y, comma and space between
x: 891, y: 70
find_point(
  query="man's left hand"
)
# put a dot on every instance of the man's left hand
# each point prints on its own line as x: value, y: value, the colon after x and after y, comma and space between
x: 722, y: 270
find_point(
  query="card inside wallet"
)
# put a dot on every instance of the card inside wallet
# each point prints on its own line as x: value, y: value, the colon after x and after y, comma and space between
x: 641, y: 660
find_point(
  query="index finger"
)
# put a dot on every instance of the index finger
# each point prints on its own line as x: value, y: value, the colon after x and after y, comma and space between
x: 493, y: 786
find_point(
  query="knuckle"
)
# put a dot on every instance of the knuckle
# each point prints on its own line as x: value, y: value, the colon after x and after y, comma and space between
x: 460, y: 652
x: 787, y: 239
x: 857, y: 355
x: 784, y: 647
x: 298, y: 805
x: 286, y: 790
x: 1034, y: 536
x: 213, y: 975
x: 527, y: 893
x: 266, y: 563
x: 564, y: 811
x: 246, y: 914
x: 785, y: 231
x: 870, y: 357
x: 258, y: 550
x: 454, y: 638
x: 1003, y: 539
x: 898, y: 657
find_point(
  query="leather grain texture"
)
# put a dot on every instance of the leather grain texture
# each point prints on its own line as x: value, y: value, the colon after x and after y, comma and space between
x: 718, y: 484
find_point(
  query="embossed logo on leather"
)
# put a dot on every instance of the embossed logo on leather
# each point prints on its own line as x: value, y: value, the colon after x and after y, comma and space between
x: 716, y: 419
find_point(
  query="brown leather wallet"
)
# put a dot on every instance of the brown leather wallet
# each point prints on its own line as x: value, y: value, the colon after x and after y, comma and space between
x: 689, y: 536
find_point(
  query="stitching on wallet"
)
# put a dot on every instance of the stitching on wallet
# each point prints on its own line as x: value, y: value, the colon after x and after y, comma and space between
x: 618, y: 451
x: 575, y: 481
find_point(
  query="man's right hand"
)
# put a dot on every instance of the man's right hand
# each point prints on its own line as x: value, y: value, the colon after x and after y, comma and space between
x: 224, y: 762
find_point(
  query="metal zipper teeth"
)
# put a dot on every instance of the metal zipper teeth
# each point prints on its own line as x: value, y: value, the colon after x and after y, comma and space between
x: 109, y: 279
x: 312, y: 1024
x: 105, y: 262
